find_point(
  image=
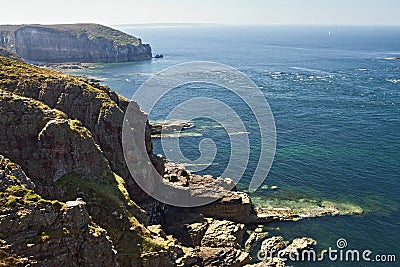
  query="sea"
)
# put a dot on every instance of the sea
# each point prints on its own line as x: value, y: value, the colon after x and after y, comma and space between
x: 334, y: 92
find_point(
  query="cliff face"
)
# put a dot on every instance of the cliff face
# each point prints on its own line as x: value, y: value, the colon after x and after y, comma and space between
x: 7, y: 39
x: 97, y: 107
x: 73, y: 43
x: 64, y: 133
x: 47, y: 233
x: 64, y: 161
x: 7, y: 53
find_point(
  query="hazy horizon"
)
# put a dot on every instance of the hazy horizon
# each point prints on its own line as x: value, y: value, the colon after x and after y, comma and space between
x: 183, y: 24
x: 227, y: 12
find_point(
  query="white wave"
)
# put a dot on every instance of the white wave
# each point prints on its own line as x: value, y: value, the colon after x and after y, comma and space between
x: 238, y: 133
x: 177, y: 135
x: 391, y: 58
x: 393, y: 80
x: 311, y: 70
x: 199, y: 164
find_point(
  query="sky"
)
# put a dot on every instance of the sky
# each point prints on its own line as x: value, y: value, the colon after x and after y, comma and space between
x: 236, y: 12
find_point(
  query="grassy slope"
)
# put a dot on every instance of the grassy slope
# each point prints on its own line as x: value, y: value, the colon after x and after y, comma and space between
x: 14, y: 74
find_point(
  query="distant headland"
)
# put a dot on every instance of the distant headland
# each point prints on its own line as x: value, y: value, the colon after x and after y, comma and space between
x: 88, y: 43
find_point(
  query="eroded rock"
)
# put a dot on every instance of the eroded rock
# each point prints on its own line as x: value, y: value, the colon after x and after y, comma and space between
x: 272, y: 245
x: 226, y: 256
x: 298, y: 245
x: 49, y: 233
x: 222, y: 233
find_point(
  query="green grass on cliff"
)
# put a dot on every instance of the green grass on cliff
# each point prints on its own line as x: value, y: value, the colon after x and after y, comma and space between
x: 91, y: 30
x: 77, y: 127
x: 15, y: 196
x: 28, y: 80
x: 111, y: 207
x: 97, y: 31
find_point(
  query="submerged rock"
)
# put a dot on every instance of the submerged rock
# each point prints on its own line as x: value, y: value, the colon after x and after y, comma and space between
x: 296, y: 210
x: 164, y: 128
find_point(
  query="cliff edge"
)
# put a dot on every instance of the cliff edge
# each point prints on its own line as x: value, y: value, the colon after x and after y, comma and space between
x: 67, y: 198
x: 72, y: 43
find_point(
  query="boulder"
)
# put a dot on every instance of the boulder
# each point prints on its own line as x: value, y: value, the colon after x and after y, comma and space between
x: 297, y: 246
x: 223, y: 233
x: 252, y: 239
x: 272, y: 245
x: 223, y: 257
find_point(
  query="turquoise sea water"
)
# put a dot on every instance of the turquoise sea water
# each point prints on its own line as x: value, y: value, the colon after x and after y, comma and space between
x: 335, y: 96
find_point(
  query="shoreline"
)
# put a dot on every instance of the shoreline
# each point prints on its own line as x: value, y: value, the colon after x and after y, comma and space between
x: 187, y: 235
x: 295, y: 210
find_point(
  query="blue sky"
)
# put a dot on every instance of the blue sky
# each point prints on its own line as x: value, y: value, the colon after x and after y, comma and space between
x: 349, y: 12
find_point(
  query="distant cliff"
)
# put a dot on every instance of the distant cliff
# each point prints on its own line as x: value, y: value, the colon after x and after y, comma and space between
x: 6, y: 53
x: 72, y: 43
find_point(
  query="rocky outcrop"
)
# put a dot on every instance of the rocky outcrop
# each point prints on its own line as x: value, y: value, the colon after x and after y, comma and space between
x: 223, y: 233
x: 297, y: 246
x: 168, y: 128
x: 275, y: 251
x: 313, y: 208
x: 7, y: 53
x: 65, y: 133
x: 44, y: 232
x: 97, y: 107
x: 42, y: 138
x: 273, y: 245
x: 7, y: 39
x: 65, y: 162
x: 73, y: 43
x: 252, y: 239
x: 219, y: 241
x: 224, y: 256
x: 230, y: 205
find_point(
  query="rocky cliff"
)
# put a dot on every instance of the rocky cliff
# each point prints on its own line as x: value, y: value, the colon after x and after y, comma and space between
x: 72, y: 43
x: 7, y: 53
x: 68, y: 199
x: 71, y: 190
x: 33, y: 228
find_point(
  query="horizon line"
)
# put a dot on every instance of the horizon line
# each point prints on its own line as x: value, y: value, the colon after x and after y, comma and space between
x: 169, y: 24
x: 253, y: 24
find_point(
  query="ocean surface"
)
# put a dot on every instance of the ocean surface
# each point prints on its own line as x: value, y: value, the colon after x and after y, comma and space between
x: 335, y: 95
